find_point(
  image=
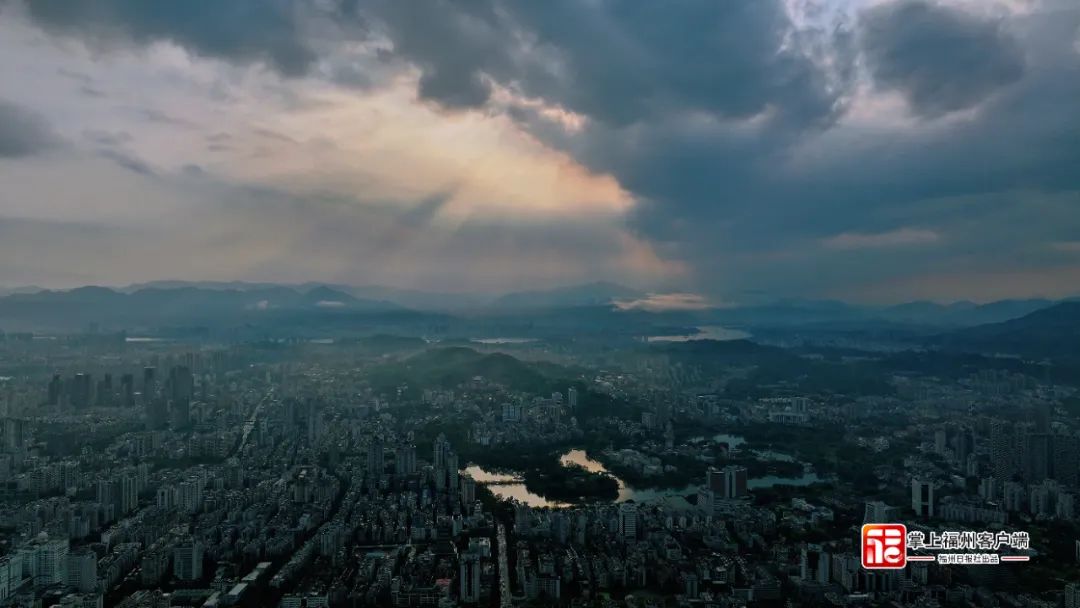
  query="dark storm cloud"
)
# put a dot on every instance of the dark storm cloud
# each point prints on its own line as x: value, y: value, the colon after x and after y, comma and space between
x: 23, y: 132
x: 239, y: 30
x: 454, y: 91
x: 940, y: 59
x: 631, y: 61
x: 617, y: 62
x: 749, y: 204
x: 453, y: 44
x: 691, y: 105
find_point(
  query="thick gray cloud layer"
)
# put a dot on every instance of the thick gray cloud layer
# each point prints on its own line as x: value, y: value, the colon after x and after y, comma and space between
x: 747, y: 201
x: 841, y: 150
x: 244, y: 30
x: 727, y: 122
x: 616, y: 62
x: 941, y: 60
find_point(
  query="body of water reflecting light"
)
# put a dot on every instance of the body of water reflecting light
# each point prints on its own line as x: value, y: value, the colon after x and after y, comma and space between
x: 508, y: 485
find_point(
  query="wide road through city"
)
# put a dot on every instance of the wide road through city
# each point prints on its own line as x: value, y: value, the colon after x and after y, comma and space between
x: 250, y: 424
x: 505, y: 600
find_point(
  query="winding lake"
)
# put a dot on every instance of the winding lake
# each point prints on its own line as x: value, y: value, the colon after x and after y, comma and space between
x: 508, y: 485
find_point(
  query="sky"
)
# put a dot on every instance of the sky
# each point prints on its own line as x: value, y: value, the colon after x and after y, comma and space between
x: 865, y: 150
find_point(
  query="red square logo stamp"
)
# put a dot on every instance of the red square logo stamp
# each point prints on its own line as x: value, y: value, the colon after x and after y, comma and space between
x: 884, y: 546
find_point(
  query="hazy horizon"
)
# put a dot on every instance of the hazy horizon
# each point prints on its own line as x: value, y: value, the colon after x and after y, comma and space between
x: 652, y: 299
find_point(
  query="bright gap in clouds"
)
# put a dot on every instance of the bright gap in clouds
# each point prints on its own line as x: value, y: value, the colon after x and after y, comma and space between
x: 238, y: 172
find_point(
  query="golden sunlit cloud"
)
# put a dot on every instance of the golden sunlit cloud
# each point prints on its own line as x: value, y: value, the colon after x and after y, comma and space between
x: 570, y: 121
x: 386, y: 146
x: 662, y: 302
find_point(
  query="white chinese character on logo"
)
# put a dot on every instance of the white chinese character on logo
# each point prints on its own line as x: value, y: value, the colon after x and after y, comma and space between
x: 1019, y: 540
x: 967, y: 540
x: 1002, y: 538
x: 935, y: 541
x: 950, y: 540
x: 916, y: 539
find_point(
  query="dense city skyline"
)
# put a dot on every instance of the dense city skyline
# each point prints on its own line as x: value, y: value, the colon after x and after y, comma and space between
x: 347, y: 457
x: 880, y: 151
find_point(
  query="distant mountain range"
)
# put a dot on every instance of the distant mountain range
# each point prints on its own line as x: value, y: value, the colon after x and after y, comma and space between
x: 603, y: 293
x: 76, y: 308
x: 7, y: 291
x: 560, y: 311
x: 838, y: 315
x: 408, y: 298
x: 963, y: 313
x: 590, y: 294
x: 1050, y: 332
